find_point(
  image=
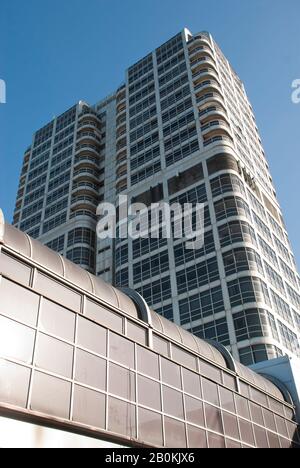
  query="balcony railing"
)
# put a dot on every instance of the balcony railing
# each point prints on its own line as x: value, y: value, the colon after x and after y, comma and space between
x: 93, y: 135
x: 217, y: 139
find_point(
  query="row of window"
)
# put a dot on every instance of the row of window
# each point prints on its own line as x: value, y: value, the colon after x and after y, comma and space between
x: 40, y: 160
x: 182, y: 152
x: 179, y: 123
x: 144, y: 81
x: 145, y: 157
x: 34, y: 196
x: 133, y: 99
x: 32, y: 209
x: 172, y: 74
x: 289, y: 339
x: 216, y: 330
x: 180, y: 137
x: 258, y: 353
x: 227, y: 183
x: 36, y: 183
x: 241, y: 259
x: 184, y: 255
x: 231, y: 206
x: 176, y: 110
x: 82, y: 256
x: 174, y: 98
x: 65, y: 119
x: 197, y: 276
x: 248, y: 289
x: 122, y: 278
x: 54, y: 222
x: 59, y: 169
x: 62, y: 179
x: 141, y: 68
x: 143, y: 130
x: 61, y: 156
x: 236, y: 231
x: 58, y: 194
x: 142, y: 247
x: 201, y: 305
x: 41, y: 149
x: 170, y: 63
x: 64, y: 144
x: 254, y: 323
x: 30, y: 222
x: 56, y: 207
x: 121, y: 255
x: 157, y: 291
x: 43, y: 134
x: 172, y: 87
x: 141, y: 106
x: 143, y: 117
x: 57, y: 244
x: 63, y: 134
x: 171, y: 47
x: 150, y: 266
x: 143, y: 144
x: 145, y: 173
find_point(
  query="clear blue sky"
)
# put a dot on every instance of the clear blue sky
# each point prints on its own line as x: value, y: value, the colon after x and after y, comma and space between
x: 56, y: 52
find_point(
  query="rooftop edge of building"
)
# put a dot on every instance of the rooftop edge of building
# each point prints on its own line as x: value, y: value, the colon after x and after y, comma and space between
x: 130, y: 304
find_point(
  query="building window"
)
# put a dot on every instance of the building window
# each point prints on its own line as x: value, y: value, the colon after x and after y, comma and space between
x: 258, y: 353
x: 253, y: 323
x: 201, y: 305
x: 57, y: 244
x: 216, y: 330
x: 197, y: 275
x: 246, y: 289
x: 82, y: 256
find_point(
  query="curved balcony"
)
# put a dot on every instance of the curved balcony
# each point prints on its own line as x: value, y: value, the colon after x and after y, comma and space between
x: 201, y: 38
x: 87, y: 148
x: 89, y: 125
x: 203, y: 64
x: 121, y: 171
x: 85, y: 189
x: 121, y: 120
x: 121, y: 90
x: 83, y: 213
x: 86, y: 161
x: 217, y: 140
x: 121, y: 157
x: 200, y: 49
x: 84, y: 202
x: 86, y: 173
x: 212, y: 87
x: 213, y: 125
x: 121, y: 132
x: 121, y: 107
x: 121, y: 98
x: 201, y: 57
x: 90, y: 114
x: 210, y: 98
x: 204, y: 81
x: 121, y: 185
x: 207, y: 73
x: 121, y: 144
x: 210, y: 111
x: 85, y: 136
